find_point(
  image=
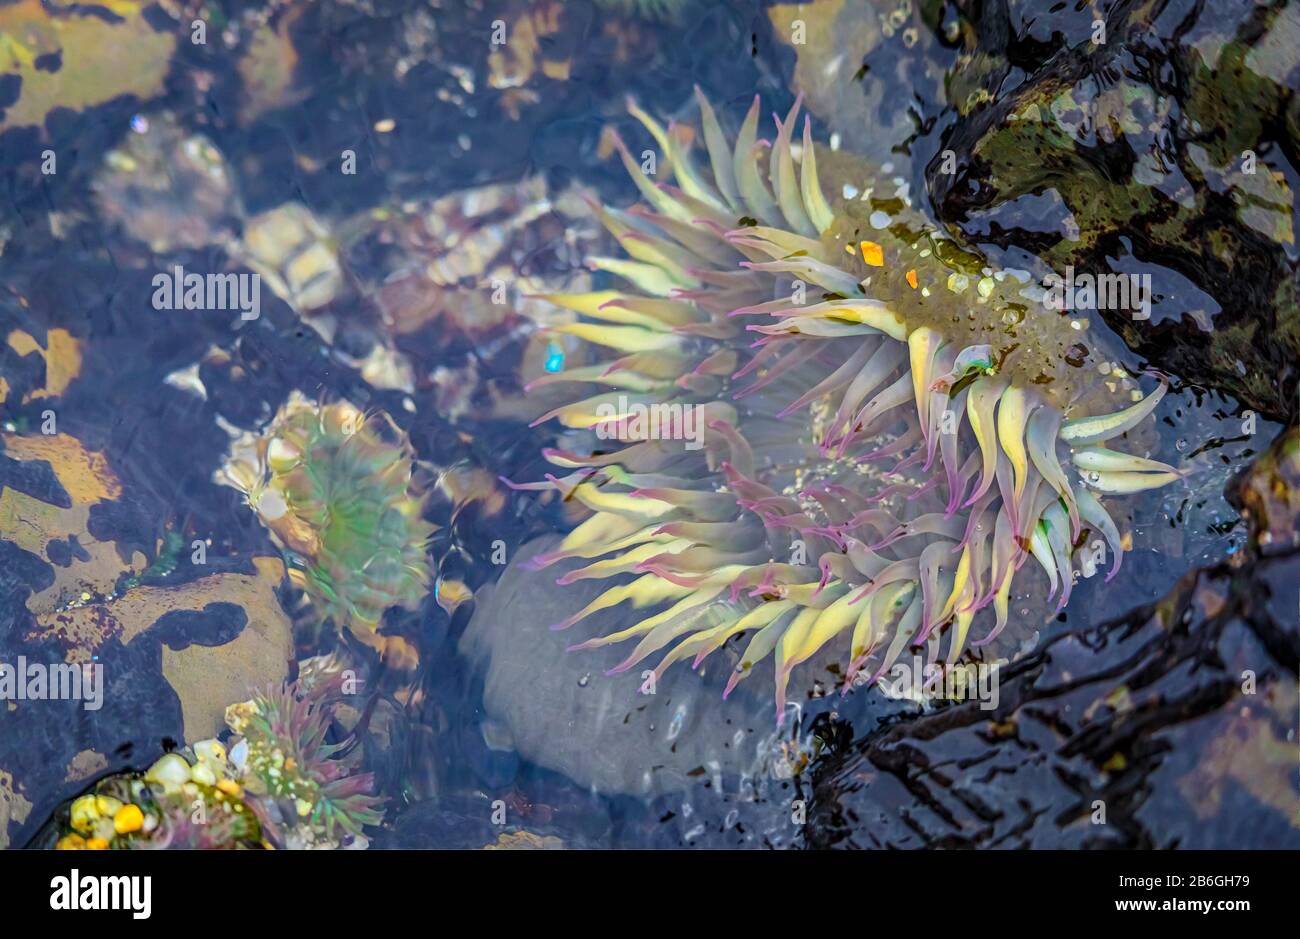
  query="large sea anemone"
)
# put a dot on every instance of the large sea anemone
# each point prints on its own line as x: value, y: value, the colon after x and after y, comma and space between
x: 334, y: 487
x: 908, y: 453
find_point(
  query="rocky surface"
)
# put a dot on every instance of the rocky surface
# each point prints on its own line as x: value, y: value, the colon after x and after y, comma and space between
x: 1172, y: 726
x: 1162, y: 145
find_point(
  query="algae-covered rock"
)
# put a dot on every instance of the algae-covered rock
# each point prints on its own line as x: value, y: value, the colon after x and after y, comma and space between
x: 1268, y: 495
x: 525, y: 841
x: 14, y: 808
x: 67, y: 57
x: 167, y: 188
x: 1159, y: 151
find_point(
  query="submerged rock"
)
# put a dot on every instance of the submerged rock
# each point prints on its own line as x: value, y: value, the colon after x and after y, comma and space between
x: 167, y: 188
x: 1164, y: 149
x: 76, y: 57
x: 564, y: 713
x: 1172, y: 726
x: 1268, y: 495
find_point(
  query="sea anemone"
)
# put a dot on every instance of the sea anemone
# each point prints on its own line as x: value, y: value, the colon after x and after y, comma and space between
x: 334, y: 488
x: 312, y: 794
x: 941, y: 404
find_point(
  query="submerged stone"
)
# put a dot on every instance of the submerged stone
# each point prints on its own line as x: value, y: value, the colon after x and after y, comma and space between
x: 564, y: 714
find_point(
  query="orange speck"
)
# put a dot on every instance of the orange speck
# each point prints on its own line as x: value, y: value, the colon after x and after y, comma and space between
x: 97, y: 844
x: 129, y: 818
x: 228, y: 786
x: 911, y: 279
x: 873, y: 254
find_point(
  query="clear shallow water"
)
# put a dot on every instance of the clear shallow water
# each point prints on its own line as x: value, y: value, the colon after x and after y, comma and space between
x: 465, y: 159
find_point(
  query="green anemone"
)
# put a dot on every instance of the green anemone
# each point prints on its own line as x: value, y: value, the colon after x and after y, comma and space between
x: 914, y: 460
x: 334, y: 487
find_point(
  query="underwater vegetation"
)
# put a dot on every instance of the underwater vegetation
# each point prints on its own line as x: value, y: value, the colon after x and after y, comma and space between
x: 191, y: 801
x: 313, y: 794
x: 933, y: 408
x: 279, y: 785
x: 334, y: 488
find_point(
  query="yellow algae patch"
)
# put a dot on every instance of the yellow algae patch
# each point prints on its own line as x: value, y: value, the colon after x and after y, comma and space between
x: 207, y: 678
x: 525, y: 841
x: 62, y: 362
x: 511, y: 66
x: 62, y: 354
x: 102, y: 59
x: 1249, y: 752
x: 82, y: 611
x: 85, y: 474
x: 93, y: 566
x: 23, y: 343
x: 267, y: 69
x: 84, y: 629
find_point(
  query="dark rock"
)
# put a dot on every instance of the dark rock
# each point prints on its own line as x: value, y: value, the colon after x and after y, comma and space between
x: 1172, y: 726
x: 1166, y: 150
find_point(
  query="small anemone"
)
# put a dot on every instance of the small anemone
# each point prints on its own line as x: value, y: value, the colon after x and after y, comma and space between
x: 334, y: 487
x: 929, y: 465
x: 286, y: 761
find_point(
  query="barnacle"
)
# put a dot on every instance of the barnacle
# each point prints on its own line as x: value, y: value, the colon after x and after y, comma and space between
x: 334, y: 488
x: 899, y: 347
